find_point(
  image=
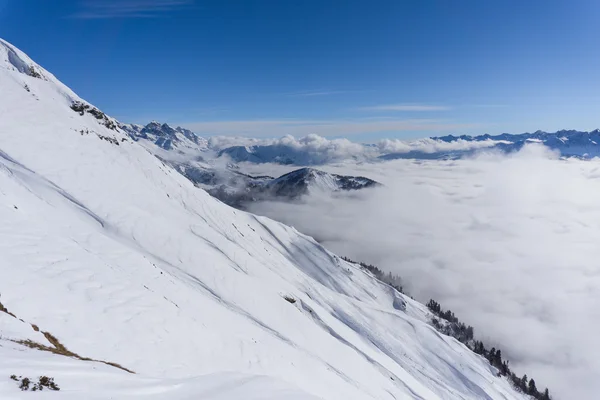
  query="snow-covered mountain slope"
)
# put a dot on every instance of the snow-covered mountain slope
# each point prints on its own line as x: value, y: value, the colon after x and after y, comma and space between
x: 108, y: 254
x: 88, y: 380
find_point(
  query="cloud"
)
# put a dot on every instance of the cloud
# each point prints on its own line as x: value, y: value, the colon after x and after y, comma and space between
x: 406, y: 107
x: 314, y: 93
x: 314, y: 149
x: 309, y: 150
x: 223, y: 142
x: 103, y: 9
x: 279, y: 127
x: 509, y: 243
x: 428, y: 145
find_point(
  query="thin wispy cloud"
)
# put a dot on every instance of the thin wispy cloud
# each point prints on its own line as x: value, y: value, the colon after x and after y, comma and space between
x: 299, y: 128
x: 105, y: 9
x: 406, y: 107
x: 488, y: 105
x: 314, y: 93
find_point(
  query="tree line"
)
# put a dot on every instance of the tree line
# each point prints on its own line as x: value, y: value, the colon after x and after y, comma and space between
x: 393, y: 280
x: 448, y: 324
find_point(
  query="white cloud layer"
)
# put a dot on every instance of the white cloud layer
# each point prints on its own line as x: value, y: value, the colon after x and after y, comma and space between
x: 321, y: 149
x: 316, y: 144
x: 103, y: 9
x: 406, y: 107
x: 428, y: 145
x: 509, y: 243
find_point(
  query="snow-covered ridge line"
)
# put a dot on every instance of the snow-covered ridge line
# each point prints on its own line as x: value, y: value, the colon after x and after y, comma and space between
x: 315, y: 150
x: 124, y: 259
x: 239, y: 190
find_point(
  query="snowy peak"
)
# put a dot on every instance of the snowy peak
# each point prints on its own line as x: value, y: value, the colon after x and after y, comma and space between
x: 302, y: 180
x: 163, y: 135
x: 238, y: 189
x: 192, y: 136
x: 166, y: 137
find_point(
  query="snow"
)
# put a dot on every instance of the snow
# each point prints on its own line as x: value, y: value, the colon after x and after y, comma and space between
x: 79, y: 380
x: 123, y: 260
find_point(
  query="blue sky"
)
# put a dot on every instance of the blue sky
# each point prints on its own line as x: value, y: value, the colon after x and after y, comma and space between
x: 339, y: 68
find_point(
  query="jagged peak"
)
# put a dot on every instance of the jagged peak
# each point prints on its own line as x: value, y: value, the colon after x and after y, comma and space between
x: 302, y: 171
x: 155, y: 126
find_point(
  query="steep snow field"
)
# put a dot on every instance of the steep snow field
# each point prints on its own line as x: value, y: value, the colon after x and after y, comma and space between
x: 123, y: 260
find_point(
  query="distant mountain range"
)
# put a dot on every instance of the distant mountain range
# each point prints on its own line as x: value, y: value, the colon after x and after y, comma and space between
x: 218, y: 170
x: 165, y: 137
x: 568, y: 143
x: 197, y: 160
x: 314, y: 150
x: 287, y: 154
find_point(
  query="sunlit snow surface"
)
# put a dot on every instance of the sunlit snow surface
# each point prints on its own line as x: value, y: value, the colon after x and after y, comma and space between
x: 124, y: 260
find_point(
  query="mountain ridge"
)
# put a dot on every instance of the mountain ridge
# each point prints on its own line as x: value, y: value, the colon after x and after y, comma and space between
x: 238, y: 189
x: 567, y: 143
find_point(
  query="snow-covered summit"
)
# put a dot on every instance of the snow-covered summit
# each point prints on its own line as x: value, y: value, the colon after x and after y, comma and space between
x: 302, y: 180
x: 110, y: 261
x: 166, y: 137
x: 238, y: 189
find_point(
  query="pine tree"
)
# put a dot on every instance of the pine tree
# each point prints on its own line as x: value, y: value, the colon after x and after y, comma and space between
x: 470, y: 333
x: 546, y: 395
x: 505, y: 369
x: 498, y: 360
x: 523, y: 384
x: 532, y: 390
x: 492, y: 355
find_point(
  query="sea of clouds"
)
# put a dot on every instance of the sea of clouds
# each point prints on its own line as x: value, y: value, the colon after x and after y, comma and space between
x: 322, y: 150
x: 510, y: 243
